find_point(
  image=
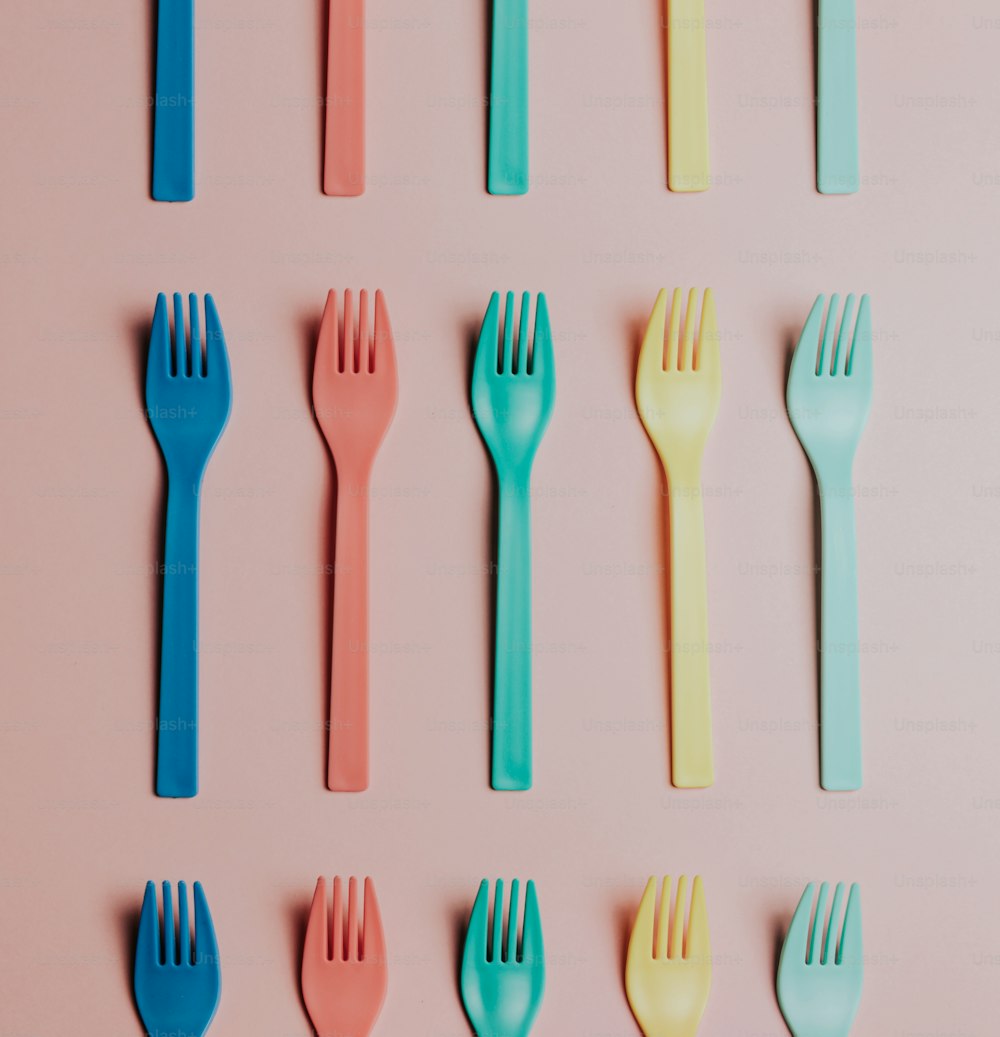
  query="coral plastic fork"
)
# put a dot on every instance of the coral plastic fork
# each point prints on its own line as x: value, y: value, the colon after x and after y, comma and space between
x: 677, y: 397
x: 344, y: 986
x: 354, y: 397
x: 344, y: 146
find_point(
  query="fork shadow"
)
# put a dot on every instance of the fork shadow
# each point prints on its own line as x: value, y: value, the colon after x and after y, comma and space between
x: 127, y: 916
x: 326, y: 550
x: 637, y: 330
x: 297, y: 915
x: 138, y: 334
x: 791, y: 340
x: 471, y: 336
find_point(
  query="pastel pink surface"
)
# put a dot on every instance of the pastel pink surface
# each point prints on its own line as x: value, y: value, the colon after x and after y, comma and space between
x: 85, y: 251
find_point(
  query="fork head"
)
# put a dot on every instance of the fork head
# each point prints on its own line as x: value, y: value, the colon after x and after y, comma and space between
x: 344, y: 981
x: 668, y: 971
x: 678, y: 380
x: 514, y: 383
x: 820, y: 971
x: 503, y: 977
x: 188, y: 386
x: 354, y: 381
x: 830, y: 381
x: 176, y: 992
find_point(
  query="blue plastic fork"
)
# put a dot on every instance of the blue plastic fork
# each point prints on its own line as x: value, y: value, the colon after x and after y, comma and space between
x: 188, y: 399
x: 173, y: 121
x: 175, y: 993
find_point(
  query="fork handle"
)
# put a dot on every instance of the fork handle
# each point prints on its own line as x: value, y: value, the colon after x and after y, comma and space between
x: 511, y: 763
x: 690, y: 699
x: 173, y: 119
x: 837, y: 169
x: 344, y: 145
x: 347, y: 765
x: 840, y: 677
x: 687, y: 97
x: 177, y: 715
x: 508, y: 155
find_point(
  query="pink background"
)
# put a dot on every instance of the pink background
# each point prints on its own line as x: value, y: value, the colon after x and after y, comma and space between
x: 82, y: 253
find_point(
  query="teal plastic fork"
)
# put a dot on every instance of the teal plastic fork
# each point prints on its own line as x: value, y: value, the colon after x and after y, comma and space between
x: 828, y: 397
x: 508, y: 154
x: 188, y: 399
x: 820, y: 976
x: 502, y: 977
x: 512, y: 399
x: 175, y: 992
x: 837, y: 168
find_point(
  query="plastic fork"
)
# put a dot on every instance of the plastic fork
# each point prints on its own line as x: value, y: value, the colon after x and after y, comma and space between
x: 344, y: 145
x: 354, y: 397
x: 677, y: 395
x: 508, y: 153
x: 188, y: 400
x: 668, y: 973
x: 173, y: 120
x: 344, y: 984
x: 837, y: 166
x: 687, y: 97
x: 512, y: 398
x: 503, y: 971
x: 829, y: 395
x: 821, y: 968
x: 175, y: 992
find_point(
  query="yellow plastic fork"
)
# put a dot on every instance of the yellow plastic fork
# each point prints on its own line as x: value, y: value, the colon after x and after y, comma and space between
x: 668, y: 976
x: 677, y: 395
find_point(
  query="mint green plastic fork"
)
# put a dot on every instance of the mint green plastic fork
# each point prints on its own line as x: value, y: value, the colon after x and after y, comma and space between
x: 828, y: 398
x: 503, y: 978
x: 512, y: 398
x: 820, y: 978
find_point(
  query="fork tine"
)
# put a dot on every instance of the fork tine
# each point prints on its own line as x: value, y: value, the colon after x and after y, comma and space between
x: 180, y: 337
x: 824, y: 364
x: 194, y: 348
x: 337, y: 952
x: 642, y: 927
x: 496, y: 941
x: 147, y: 945
x: 352, y: 919
x: 216, y: 358
x: 697, y: 945
x: 663, y: 925
x: 798, y: 931
x: 532, y: 948
x: 708, y: 335
x: 676, y: 946
x: 804, y: 360
x: 373, y: 937
x: 843, y: 337
x: 169, y: 926
x: 364, y: 339
x: 317, y: 942
x: 690, y: 319
x: 184, y: 934
x: 819, y: 919
x: 510, y: 954
x: 383, y: 352
x: 542, y: 355
x: 489, y: 336
x: 160, y: 360
x: 507, y: 349
x: 328, y: 343
x: 350, y: 353
x: 674, y: 331
x: 833, y: 927
x: 523, y: 334
x: 860, y: 360
x: 651, y: 350
x: 206, y: 947
x: 479, y: 920
x: 850, y: 950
